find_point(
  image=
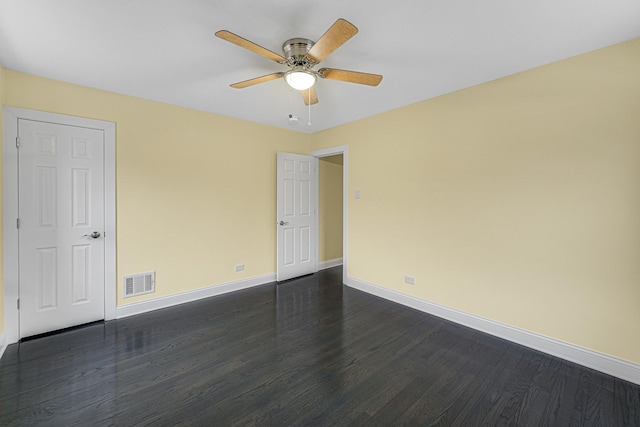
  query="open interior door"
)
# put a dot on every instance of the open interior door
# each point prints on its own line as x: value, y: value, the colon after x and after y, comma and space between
x: 297, y: 233
x: 61, y: 233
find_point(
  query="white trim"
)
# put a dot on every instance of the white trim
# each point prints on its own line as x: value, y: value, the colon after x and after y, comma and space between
x: 329, y: 263
x: 110, y: 261
x: 604, y: 363
x: 11, y: 115
x: 10, y: 232
x: 189, y: 296
x: 333, y: 151
x: 3, y: 344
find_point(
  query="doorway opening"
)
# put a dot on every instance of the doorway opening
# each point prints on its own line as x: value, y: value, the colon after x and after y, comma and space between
x: 333, y: 161
x: 330, y: 211
x: 11, y: 118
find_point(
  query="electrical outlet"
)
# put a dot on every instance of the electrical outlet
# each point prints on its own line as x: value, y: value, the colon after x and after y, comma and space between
x: 410, y: 280
x: 239, y: 267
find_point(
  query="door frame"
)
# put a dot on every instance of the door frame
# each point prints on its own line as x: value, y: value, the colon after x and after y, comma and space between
x: 10, y: 118
x: 333, y: 151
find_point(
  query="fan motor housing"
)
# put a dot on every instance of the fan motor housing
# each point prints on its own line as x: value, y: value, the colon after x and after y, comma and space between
x: 295, y: 50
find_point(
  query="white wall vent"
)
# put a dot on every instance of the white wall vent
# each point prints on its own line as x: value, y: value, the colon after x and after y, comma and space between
x: 139, y: 284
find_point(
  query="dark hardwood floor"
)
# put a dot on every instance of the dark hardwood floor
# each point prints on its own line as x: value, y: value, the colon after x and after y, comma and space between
x: 305, y: 352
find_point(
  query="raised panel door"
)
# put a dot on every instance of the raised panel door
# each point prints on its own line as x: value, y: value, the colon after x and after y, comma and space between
x: 61, y: 197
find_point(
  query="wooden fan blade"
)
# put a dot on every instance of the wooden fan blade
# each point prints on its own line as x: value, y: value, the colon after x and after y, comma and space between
x: 351, y: 76
x: 235, y: 39
x: 257, y: 80
x: 309, y: 99
x: 336, y: 35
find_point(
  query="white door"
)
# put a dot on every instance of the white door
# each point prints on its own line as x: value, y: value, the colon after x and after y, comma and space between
x: 296, y: 215
x: 61, y: 211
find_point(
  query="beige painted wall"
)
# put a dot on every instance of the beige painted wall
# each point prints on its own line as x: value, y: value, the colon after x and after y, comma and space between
x: 195, y: 191
x: 516, y: 200
x: 330, y: 208
x: 1, y: 210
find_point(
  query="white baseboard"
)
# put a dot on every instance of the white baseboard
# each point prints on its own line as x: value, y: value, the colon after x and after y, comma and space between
x: 330, y: 263
x: 181, y: 298
x: 591, y: 359
x: 3, y: 344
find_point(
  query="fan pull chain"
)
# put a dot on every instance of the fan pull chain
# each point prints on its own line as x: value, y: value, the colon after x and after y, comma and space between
x: 309, y: 120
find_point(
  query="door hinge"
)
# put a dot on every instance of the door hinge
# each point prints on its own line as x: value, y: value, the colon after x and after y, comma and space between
x: 18, y: 301
x: 17, y: 142
x: 17, y: 222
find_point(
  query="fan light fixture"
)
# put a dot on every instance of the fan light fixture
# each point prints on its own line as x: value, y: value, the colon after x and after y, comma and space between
x: 300, y: 79
x: 300, y: 56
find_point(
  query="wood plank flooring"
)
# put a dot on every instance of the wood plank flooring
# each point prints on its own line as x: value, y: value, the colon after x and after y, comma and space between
x: 306, y: 352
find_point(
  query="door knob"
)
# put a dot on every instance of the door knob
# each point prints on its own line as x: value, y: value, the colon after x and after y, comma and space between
x: 93, y: 235
x: 283, y: 223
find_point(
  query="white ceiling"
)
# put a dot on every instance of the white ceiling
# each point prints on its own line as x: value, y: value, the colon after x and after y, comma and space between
x: 165, y: 50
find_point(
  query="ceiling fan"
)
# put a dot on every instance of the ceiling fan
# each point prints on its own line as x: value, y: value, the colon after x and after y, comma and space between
x: 301, y: 55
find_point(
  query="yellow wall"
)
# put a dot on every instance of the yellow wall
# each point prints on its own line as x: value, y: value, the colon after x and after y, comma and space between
x: 195, y: 191
x: 1, y: 210
x: 330, y: 208
x: 516, y: 200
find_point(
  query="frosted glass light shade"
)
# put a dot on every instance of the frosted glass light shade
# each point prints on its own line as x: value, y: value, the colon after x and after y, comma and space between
x: 300, y: 79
